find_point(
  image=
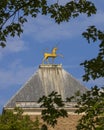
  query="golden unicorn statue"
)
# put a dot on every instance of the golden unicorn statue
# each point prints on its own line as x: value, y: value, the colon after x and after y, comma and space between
x: 52, y: 55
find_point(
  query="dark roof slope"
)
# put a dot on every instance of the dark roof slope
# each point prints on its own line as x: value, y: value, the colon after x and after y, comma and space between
x: 48, y: 78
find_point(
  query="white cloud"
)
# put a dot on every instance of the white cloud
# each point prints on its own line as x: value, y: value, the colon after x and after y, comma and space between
x: 1, y: 55
x: 44, y: 28
x: 62, y: 2
x: 14, y: 45
x: 99, y: 82
x: 91, y: 83
x: 97, y: 19
x: 15, y: 74
x: 71, y: 66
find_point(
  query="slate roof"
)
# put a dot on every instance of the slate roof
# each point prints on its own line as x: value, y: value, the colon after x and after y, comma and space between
x: 48, y: 78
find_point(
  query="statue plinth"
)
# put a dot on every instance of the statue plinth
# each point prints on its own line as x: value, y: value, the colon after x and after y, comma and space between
x: 50, y: 66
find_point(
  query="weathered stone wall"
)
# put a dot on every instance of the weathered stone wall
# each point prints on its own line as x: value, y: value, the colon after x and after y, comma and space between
x: 68, y: 123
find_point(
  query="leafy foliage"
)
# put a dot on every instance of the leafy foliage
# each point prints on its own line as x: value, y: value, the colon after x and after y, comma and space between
x: 94, y: 68
x: 14, y: 13
x: 53, y: 108
x: 16, y: 121
x: 91, y: 104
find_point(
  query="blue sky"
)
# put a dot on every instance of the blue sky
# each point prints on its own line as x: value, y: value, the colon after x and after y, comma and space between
x: 22, y: 56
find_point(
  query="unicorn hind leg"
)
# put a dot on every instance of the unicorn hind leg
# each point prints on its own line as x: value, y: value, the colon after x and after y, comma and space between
x: 47, y: 61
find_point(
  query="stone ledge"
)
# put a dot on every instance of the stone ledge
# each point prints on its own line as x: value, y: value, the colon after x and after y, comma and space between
x: 50, y: 66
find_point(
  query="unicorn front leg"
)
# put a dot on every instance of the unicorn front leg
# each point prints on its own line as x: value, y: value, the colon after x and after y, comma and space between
x: 53, y: 60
